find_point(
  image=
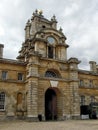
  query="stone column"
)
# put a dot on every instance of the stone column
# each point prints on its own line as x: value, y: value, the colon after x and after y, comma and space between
x: 54, y: 52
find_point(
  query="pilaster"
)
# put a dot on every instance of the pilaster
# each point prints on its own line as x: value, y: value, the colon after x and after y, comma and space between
x: 32, y: 87
x: 74, y: 81
x: 32, y: 99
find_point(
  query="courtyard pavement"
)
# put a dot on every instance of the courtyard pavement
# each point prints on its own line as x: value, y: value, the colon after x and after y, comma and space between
x: 59, y: 125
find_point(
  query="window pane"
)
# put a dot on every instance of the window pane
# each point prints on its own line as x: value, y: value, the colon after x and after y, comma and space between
x: 50, y: 52
x: 4, y: 75
x: 50, y: 74
x: 92, y: 99
x: 81, y: 83
x: 20, y: 76
x: 2, y: 100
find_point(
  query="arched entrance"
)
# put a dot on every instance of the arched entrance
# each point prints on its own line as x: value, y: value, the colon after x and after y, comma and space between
x: 50, y: 104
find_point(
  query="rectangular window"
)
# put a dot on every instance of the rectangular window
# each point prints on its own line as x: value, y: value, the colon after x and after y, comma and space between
x: 92, y: 99
x: 90, y: 83
x: 81, y: 83
x: 2, y: 101
x: 20, y: 76
x: 50, y: 52
x: 4, y: 75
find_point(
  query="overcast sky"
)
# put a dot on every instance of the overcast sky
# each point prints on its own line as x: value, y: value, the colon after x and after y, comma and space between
x: 78, y: 18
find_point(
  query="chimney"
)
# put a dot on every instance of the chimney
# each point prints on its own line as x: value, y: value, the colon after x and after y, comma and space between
x: 1, y: 50
x: 93, y: 67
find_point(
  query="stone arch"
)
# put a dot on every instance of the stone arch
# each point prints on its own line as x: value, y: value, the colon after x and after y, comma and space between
x: 53, y: 104
x: 3, y: 90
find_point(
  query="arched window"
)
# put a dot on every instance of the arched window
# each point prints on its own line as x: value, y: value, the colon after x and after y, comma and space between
x: 50, y: 74
x: 2, y: 101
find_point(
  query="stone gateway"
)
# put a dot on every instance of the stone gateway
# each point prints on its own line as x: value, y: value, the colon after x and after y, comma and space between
x: 42, y: 84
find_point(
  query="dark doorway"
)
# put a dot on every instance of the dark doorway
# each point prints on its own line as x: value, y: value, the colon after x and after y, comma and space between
x: 50, y: 105
x: 84, y: 109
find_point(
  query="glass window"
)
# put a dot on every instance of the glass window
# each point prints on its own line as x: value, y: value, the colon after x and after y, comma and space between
x: 20, y: 76
x: 50, y: 74
x: 50, y: 52
x: 92, y: 99
x: 4, y: 75
x: 90, y: 83
x: 2, y: 101
x: 81, y: 83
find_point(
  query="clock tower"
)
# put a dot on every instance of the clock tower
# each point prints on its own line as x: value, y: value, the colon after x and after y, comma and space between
x: 49, y: 78
x: 43, y: 38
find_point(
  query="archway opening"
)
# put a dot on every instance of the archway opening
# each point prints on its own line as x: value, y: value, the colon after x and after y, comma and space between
x: 50, y: 104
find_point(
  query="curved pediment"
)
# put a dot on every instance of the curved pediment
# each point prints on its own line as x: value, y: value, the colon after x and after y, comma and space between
x: 52, y: 31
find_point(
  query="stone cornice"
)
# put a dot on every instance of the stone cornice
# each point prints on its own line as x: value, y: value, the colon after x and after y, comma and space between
x: 62, y: 44
x: 59, y: 79
x: 54, y: 60
x: 12, y: 81
x: 87, y: 72
x: 11, y: 61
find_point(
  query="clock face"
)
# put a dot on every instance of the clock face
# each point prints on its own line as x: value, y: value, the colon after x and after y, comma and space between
x: 51, y: 40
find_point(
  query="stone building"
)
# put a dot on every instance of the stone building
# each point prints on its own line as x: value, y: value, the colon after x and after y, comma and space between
x: 42, y: 84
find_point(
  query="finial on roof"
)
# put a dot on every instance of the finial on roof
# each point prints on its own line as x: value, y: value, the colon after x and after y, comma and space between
x: 53, y: 18
x: 60, y: 29
x: 28, y: 21
x: 36, y: 11
x: 40, y: 12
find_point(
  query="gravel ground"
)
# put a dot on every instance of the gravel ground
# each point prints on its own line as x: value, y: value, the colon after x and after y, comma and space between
x: 59, y: 125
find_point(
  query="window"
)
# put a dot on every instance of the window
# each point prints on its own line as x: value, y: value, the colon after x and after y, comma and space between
x: 50, y: 52
x: 20, y: 76
x: 92, y: 99
x: 91, y: 84
x: 50, y: 74
x: 4, y: 75
x: 81, y: 83
x: 82, y: 100
x: 2, y: 101
x: 43, y: 26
